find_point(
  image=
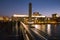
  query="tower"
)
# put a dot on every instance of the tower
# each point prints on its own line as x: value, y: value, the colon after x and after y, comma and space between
x: 30, y: 10
x: 30, y: 13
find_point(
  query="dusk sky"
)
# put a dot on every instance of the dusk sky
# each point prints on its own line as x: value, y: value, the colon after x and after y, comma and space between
x: 44, y: 7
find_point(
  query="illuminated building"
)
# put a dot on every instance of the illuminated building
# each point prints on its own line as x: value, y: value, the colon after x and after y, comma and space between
x: 31, y: 17
x: 58, y: 19
x: 1, y: 18
x: 25, y: 18
x: 15, y: 15
x: 55, y: 15
x: 4, y: 18
x: 36, y: 14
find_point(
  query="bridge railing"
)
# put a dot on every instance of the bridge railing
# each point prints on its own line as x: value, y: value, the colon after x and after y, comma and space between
x: 26, y: 33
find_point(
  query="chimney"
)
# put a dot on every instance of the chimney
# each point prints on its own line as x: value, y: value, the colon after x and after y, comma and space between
x: 30, y: 10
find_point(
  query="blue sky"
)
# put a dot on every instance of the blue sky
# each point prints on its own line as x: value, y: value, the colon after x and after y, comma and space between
x: 44, y: 7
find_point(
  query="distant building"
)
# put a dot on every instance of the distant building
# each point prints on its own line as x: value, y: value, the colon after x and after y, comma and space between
x: 4, y: 18
x: 36, y: 14
x: 54, y: 15
x: 24, y: 16
x: 29, y: 17
x: 1, y: 18
x: 58, y: 19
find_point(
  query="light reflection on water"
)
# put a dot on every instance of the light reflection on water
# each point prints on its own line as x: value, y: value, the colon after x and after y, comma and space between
x: 53, y: 30
x: 49, y: 29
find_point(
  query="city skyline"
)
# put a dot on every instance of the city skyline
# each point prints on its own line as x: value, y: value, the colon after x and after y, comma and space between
x: 44, y: 7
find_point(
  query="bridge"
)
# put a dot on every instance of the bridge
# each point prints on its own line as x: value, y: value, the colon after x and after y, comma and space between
x: 33, y: 33
x: 38, y: 32
x: 18, y: 30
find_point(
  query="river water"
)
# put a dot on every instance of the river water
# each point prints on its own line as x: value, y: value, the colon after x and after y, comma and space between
x: 52, y: 30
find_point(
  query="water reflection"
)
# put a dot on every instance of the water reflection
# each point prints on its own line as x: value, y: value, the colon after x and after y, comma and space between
x: 52, y: 29
x: 43, y: 27
x: 49, y: 29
